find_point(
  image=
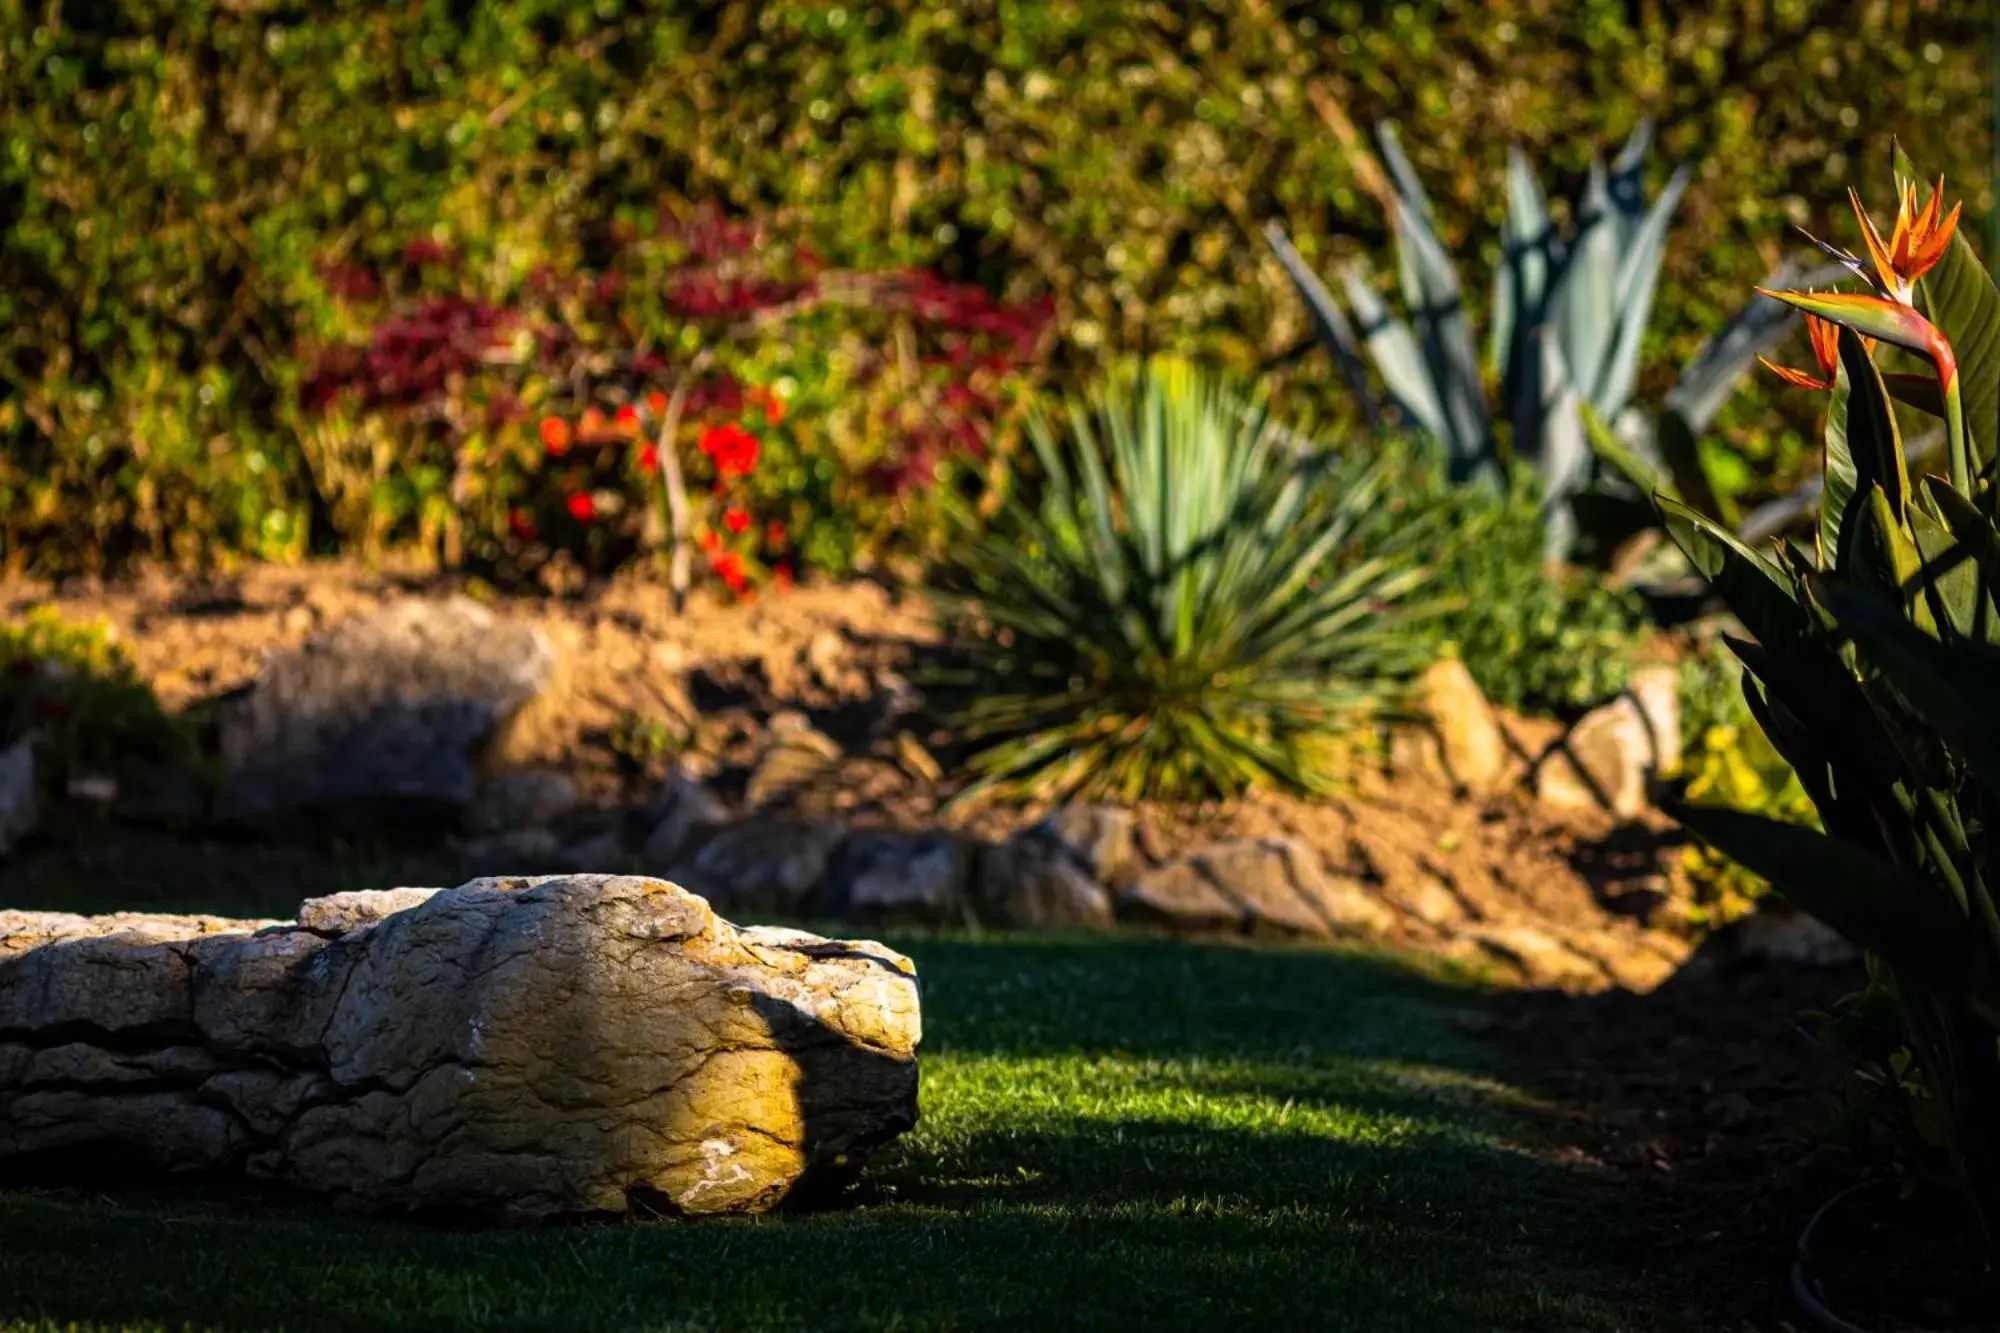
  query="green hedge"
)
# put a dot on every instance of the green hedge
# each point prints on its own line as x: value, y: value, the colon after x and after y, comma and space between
x: 179, y: 176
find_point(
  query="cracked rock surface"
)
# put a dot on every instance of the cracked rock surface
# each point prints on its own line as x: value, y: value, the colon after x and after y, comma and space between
x: 512, y: 1048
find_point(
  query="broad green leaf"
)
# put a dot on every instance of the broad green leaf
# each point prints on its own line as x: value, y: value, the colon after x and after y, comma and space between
x: 1604, y: 442
x: 1863, y: 446
x: 1877, y: 904
x: 1953, y: 687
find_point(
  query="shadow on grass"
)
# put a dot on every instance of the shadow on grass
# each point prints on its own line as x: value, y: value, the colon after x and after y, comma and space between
x: 1117, y: 1133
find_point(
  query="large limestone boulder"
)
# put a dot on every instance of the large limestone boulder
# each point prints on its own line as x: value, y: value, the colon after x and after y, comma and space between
x: 510, y: 1048
x: 383, y: 717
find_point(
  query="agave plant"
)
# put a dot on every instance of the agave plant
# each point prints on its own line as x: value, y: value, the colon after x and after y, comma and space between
x: 1876, y: 663
x: 1193, y: 604
x: 1568, y: 317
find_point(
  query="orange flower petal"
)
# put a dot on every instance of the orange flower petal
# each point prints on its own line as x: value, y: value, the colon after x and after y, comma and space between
x: 1885, y: 266
x: 1799, y: 378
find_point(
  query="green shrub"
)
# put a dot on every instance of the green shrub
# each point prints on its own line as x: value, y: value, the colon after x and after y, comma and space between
x: 1876, y: 671
x: 186, y: 186
x: 1198, y: 601
x: 1535, y: 636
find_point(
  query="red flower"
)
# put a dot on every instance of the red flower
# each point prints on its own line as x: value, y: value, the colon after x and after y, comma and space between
x: 781, y: 574
x: 736, y: 520
x: 627, y: 419
x: 555, y: 436
x: 729, y: 568
x: 768, y: 402
x: 581, y: 507
x: 710, y: 540
x: 775, y: 533
x: 649, y: 458
x: 592, y: 426
x: 732, y: 448
x: 656, y: 403
x: 522, y: 524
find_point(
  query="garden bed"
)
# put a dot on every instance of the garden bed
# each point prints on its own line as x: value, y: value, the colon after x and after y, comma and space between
x: 798, y: 711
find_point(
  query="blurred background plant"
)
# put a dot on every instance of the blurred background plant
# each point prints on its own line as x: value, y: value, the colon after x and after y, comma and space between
x: 1536, y: 637
x: 1567, y: 318
x: 71, y: 688
x: 197, y: 195
x: 1195, y: 600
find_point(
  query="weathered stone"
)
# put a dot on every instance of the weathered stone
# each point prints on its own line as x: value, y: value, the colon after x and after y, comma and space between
x: 518, y: 797
x: 382, y: 718
x: 795, y: 757
x: 19, y: 812
x: 767, y: 867
x: 680, y: 813
x: 1255, y: 886
x: 1475, y: 749
x: 509, y: 1048
x: 1603, y: 763
x: 897, y: 876
x: 1059, y: 872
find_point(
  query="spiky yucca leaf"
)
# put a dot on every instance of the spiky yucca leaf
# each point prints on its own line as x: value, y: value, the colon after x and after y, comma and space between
x: 1189, y: 608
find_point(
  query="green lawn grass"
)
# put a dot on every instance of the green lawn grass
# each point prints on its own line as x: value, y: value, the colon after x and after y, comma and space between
x: 1119, y: 1133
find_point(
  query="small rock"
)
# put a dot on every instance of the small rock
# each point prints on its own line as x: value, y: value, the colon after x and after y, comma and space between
x: 1782, y: 935
x: 796, y: 756
x: 1657, y: 691
x: 766, y: 867
x: 1415, y: 752
x: 680, y: 813
x: 1255, y: 886
x: 1059, y: 872
x: 1475, y: 749
x: 519, y: 797
x: 382, y: 718
x: 1603, y: 763
x: 897, y: 876
x: 19, y: 812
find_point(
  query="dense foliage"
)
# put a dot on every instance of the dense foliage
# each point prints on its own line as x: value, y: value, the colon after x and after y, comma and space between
x: 190, y: 191
x: 72, y: 690
x: 1876, y: 665
x: 1534, y: 636
x: 1196, y: 601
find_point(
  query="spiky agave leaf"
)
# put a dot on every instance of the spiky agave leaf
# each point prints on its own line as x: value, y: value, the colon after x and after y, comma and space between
x: 1187, y: 608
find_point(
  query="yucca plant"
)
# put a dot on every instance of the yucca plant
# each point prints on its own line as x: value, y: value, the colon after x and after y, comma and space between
x: 1193, y: 603
x: 1567, y: 320
x: 1876, y: 663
